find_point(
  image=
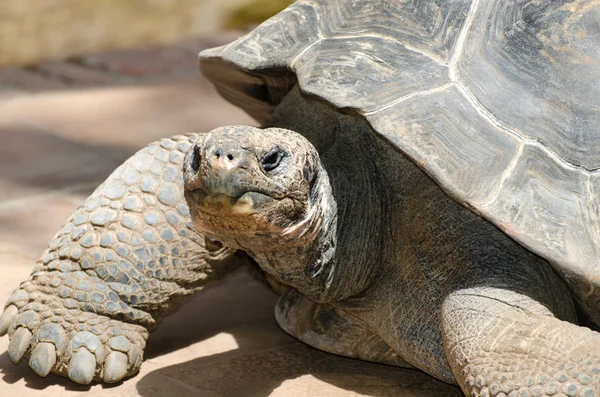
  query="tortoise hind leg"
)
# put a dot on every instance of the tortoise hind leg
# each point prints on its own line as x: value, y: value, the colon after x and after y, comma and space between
x: 322, y: 327
x: 119, y: 263
x: 502, y: 343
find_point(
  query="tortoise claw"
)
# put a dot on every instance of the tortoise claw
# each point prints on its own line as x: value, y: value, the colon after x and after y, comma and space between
x: 19, y: 344
x: 82, y: 367
x: 7, y: 319
x: 43, y: 358
x: 115, y: 368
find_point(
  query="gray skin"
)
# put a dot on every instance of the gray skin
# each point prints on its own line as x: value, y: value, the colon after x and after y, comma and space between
x: 397, y: 125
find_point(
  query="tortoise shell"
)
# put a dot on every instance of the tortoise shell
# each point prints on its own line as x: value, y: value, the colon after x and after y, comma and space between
x: 498, y: 101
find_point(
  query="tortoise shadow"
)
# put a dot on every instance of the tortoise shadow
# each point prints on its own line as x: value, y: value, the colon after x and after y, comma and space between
x: 266, y: 357
x: 246, y: 372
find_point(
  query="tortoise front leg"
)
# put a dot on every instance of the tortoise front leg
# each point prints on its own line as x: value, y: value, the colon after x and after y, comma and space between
x: 502, y: 343
x: 121, y: 261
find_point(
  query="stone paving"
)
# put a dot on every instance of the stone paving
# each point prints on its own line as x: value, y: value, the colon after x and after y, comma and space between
x: 64, y: 126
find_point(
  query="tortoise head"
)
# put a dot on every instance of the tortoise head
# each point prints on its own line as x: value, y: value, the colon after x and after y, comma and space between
x: 254, y: 189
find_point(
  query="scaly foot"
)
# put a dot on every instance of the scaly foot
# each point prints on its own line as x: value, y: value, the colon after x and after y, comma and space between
x: 61, y: 338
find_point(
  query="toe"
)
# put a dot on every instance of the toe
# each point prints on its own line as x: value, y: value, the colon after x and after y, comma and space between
x: 82, y: 367
x: 120, y: 343
x: 85, y: 339
x: 43, y: 358
x: 7, y: 319
x: 28, y: 319
x: 18, y: 345
x: 53, y: 333
x: 135, y: 357
x: 115, y: 367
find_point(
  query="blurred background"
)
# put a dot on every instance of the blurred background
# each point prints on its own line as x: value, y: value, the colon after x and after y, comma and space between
x: 83, y: 85
x: 32, y: 31
x: 117, y: 73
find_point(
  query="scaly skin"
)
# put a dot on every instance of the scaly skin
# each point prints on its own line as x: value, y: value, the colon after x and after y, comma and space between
x: 501, y: 343
x: 120, y: 262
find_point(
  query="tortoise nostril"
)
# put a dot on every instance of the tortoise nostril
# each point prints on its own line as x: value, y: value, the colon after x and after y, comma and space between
x: 196, y: 158
x: 225, y: 158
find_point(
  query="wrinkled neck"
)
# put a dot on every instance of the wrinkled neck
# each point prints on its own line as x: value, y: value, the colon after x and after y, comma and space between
x: 337, y: 260
x: 306, y: 259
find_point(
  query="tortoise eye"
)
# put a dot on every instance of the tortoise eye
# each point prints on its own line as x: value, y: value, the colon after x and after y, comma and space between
x: 272, y: 159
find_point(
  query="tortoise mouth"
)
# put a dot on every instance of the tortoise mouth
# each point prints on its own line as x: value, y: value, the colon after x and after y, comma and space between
x: 247, y: 203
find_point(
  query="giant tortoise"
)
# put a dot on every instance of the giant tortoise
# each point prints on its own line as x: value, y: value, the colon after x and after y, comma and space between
x: 423, y: 192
